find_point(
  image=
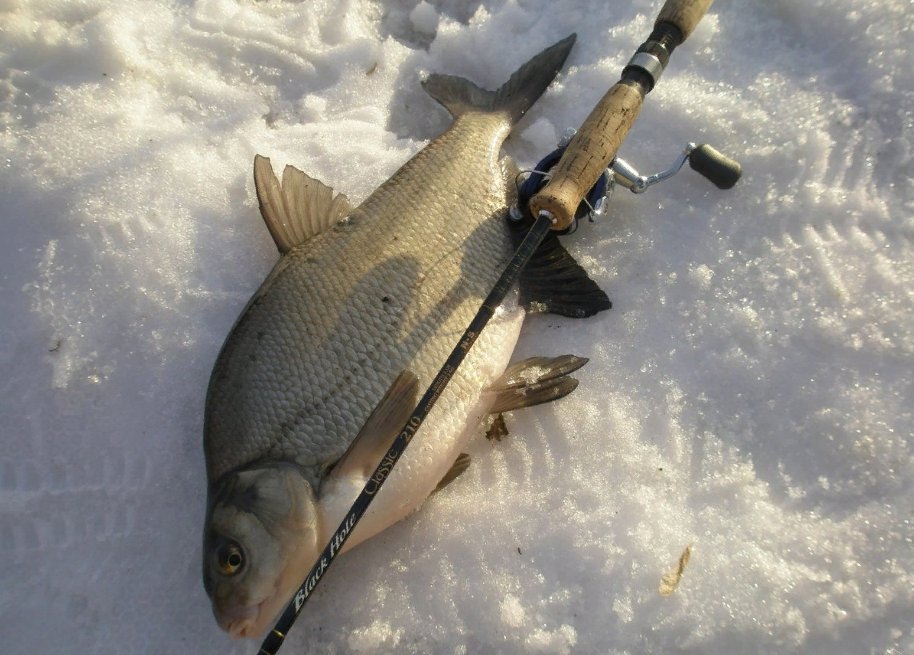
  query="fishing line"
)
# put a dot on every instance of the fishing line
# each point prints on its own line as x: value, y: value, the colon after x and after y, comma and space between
x: 537, y: 178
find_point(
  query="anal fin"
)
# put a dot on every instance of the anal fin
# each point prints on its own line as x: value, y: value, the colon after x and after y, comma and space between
x: 552, y: 281
x: 535, y: 381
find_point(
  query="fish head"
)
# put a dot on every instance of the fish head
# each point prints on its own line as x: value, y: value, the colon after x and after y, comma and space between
x: 259, y: 541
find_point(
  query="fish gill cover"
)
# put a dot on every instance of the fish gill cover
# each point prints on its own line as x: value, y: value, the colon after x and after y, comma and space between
x: 749, y: 394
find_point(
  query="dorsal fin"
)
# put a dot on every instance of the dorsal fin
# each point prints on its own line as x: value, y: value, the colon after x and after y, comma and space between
x: 297, y: 209
x: 381, y: 428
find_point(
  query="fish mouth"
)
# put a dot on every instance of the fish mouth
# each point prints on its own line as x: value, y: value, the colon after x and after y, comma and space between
x: 250, y: 621
x: 241, y: 622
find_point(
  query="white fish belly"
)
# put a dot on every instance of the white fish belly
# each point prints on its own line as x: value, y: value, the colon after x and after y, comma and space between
x: 454, y: 420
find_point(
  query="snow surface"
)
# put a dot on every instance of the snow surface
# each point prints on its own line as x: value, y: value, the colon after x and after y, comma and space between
x: 750, y: 393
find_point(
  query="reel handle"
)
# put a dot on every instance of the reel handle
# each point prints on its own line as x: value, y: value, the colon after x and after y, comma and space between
x: 596, y: 143
x: 715, y: 166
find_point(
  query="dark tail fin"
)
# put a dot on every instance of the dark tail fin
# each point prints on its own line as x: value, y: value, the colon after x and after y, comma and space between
x: 516, y: 96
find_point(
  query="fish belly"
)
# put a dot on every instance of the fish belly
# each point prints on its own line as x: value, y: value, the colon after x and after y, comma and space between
x: 391, y: 288
x: 456, y: 418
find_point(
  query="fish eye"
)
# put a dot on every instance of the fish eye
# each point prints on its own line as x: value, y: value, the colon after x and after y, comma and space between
x: 229, y: 558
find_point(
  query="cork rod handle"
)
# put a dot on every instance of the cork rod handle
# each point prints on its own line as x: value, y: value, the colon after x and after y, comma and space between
x: 596, y: 143
x: 683, y: 14
x: 588, y: 154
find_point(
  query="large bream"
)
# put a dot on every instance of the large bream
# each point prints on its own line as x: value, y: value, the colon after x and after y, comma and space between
x: 326, y: 362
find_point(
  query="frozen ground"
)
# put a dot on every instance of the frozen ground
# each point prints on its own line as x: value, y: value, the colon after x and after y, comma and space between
x: 750, y: 393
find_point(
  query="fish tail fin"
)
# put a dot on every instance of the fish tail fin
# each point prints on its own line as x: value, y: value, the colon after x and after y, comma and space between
x: 516, y: 96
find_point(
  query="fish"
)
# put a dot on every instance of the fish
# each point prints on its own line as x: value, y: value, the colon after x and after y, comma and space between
x: 324, y: 365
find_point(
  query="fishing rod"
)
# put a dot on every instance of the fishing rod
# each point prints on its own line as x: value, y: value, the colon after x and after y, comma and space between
x: 593, y: 148
x: 582, y: 163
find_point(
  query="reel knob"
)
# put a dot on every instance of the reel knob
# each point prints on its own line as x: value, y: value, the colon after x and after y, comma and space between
x: 722, y: 171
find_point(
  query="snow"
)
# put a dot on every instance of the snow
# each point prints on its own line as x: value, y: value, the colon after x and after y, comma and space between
x: 750, y: 393
x: 424, y: 18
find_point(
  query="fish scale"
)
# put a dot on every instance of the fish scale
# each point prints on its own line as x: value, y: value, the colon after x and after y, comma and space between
x: 324, y: 365
x: 322, y: 308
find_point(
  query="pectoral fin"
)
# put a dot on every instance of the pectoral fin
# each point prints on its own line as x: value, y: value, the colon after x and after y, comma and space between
x: 298, y: 208
x: 461, y: 464
x: 534, y: 381
x: 381, y: 428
